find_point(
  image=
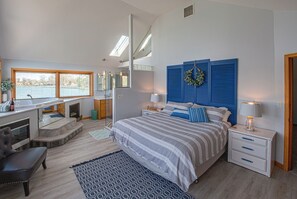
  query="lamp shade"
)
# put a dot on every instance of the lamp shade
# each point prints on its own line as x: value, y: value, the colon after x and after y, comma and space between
x: 251, y: 109
x: 155, y: 98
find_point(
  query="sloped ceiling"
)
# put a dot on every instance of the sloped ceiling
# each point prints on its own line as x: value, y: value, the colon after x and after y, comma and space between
x: 156, y: 7
x: 73, y: 31
x: 275, y: 5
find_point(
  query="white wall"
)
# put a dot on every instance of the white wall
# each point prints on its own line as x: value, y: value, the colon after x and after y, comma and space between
x: 285, y: 31
x: 222, y: 31
x: 143, y: 81
x: 128, y: 102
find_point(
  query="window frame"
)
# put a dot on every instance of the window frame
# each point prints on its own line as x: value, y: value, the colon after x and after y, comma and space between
x: 57, y: 75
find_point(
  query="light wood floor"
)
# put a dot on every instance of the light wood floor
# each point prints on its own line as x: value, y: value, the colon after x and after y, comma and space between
x: 222, y: 180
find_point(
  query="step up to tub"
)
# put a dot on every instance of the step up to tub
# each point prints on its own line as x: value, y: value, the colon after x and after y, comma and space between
x: 57, y: 128
x: 65, y: 133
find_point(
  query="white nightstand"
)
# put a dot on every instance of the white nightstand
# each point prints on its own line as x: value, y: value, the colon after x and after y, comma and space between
x: 148, y: 112
x: 254, y: 150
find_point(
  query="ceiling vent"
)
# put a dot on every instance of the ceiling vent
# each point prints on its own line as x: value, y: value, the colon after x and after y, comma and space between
x: 188, y: 11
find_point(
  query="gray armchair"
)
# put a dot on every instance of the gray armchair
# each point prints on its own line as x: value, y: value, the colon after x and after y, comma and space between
x: 16, y: 167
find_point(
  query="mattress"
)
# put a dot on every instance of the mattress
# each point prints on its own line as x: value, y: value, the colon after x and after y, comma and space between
x: 175, y: 146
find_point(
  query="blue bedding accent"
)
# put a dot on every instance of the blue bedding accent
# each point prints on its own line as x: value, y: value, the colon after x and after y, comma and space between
x: 198, y: 115
x: 219, y: 88
x: 180, y: 113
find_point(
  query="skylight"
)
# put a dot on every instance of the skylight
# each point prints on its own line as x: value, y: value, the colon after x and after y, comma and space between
x: 120, y: 47
x: 145, y: 42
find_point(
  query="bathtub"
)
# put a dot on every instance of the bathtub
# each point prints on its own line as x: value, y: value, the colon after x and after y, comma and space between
x: 36, y: 103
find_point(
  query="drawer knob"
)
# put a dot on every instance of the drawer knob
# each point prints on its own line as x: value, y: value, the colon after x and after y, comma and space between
x: 247, y: 148
x: 247, y: 160
x: 249, y: 139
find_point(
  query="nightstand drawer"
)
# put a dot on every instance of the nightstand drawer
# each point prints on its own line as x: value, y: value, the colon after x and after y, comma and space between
x: 249, y: 148
x: 249, y: 139
x: 249, y: 161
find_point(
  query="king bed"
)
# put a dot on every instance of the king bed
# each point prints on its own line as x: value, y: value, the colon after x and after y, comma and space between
x: 174, y: 147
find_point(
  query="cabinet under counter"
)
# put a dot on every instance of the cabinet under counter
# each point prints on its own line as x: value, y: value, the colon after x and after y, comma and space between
x: 103, y: 108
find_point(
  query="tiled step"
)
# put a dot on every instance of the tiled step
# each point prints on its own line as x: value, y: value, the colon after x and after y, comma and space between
x: 58, y: 128
x: 54, y: 141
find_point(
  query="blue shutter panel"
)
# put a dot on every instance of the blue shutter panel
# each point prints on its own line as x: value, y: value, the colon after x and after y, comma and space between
x: 175, y: 83
x: 223, y: 88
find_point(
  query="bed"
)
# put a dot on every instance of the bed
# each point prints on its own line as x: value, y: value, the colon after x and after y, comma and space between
x: 172, y: 147
x: 176, y: 149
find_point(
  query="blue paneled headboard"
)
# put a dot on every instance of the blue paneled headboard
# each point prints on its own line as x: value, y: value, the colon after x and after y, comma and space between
x: 219, y: 88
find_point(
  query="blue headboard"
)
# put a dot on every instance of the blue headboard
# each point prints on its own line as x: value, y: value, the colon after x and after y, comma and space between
x: 219, y: 88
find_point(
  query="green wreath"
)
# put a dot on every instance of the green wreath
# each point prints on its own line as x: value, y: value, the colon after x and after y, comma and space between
x: 199, y: 77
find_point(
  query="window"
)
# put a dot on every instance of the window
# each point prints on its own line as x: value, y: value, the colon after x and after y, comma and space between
x: 74, y: 85
x: 120, y: 46
x: 39, y: 85
x: 148, y: 38
x: 51, y: 83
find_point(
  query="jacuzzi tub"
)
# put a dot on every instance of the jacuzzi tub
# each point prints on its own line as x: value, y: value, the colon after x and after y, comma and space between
x: 36, y: 103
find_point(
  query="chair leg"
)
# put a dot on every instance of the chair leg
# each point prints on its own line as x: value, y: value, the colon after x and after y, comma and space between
x: 26, y: 188
x: 44, y: 164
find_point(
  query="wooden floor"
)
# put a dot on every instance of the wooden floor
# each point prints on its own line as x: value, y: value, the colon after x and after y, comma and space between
x: 222, y: 180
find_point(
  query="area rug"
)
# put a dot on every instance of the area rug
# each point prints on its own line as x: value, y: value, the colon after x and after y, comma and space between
x: 100, y: 134
x: 118, y: 176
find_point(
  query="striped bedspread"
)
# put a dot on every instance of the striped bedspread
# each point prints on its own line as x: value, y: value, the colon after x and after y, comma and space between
x: 174, y: 145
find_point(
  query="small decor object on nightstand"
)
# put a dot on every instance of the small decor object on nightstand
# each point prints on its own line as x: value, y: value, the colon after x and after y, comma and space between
x: 251, y: 110
x: 155, y: 98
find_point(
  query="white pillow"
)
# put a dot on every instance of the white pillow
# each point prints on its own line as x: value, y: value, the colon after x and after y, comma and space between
x: 226, y: 115
x: 178, y: 105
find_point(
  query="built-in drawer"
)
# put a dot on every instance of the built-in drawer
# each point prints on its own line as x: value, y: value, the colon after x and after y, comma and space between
x: 249, y: 139
x: 248, y: 160
x: 250, y: 148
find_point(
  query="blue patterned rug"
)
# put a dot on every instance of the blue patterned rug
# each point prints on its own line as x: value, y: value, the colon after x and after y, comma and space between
x: 117, y: 175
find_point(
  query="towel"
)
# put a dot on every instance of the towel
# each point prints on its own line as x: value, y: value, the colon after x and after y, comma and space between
x: 5, y: 107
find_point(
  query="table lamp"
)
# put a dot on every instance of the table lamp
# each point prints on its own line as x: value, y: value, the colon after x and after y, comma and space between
x: 155, y: 98
x: 251, y: 110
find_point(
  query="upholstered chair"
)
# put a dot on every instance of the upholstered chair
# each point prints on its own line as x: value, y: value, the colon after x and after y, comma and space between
x: 18, y: 166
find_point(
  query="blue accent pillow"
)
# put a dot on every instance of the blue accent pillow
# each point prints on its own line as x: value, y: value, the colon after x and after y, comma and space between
x: 180, y: 113
x: 198, y: 115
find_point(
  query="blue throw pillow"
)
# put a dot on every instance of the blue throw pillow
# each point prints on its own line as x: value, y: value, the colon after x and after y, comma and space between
x: 198, y: 115
x: 180, y: 113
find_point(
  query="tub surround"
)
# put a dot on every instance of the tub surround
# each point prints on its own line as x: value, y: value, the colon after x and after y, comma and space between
x: 52, y: 134
x: 29, y: 107
x: 36, y: 103
x: 19, y: 115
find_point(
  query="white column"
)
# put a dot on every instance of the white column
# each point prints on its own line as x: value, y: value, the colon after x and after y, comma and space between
x: 130, y: 48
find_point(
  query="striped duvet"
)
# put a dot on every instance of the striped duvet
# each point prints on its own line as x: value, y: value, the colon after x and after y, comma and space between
x: 174, y: 145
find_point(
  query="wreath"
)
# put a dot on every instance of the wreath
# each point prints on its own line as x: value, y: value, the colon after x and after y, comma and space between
x: 199, y: 77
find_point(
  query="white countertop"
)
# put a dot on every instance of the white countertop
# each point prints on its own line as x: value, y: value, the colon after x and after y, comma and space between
x: 101, y: 97
x: 6, y: 114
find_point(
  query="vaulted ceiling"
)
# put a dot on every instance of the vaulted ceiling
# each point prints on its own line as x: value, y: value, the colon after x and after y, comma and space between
x: 84, y: 32
x: 74, y: 31
x: 275, y: 5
